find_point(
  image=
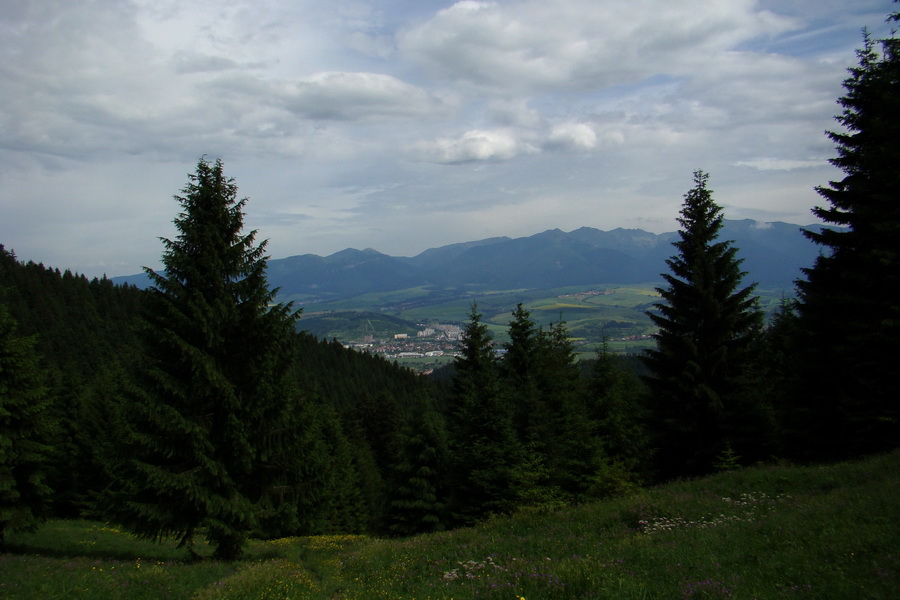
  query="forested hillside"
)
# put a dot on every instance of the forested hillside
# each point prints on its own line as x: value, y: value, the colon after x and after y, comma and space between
x: 85, y: 335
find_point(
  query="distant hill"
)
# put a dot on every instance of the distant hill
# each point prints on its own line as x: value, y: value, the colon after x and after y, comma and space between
x: 773, y: 255
x: 355, y: 325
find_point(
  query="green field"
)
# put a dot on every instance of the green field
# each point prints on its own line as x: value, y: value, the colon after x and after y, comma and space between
x: 770, y: 532
x: 619, y: 313
x: 593, y: 313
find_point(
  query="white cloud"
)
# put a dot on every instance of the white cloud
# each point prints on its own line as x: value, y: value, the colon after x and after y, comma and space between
x: 579, y: 44
x: 475, y: 145
x: 572, y: 135
x: 342, y: 96
x: 508, y: 142
x: 96, y: 81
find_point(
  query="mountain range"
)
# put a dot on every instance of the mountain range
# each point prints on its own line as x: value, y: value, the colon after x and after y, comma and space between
x: 773, y: 255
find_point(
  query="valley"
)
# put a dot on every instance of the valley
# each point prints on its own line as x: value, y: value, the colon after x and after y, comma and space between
x: 418, y: 327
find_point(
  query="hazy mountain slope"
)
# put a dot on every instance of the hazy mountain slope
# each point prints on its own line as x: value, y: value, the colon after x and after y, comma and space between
x: 773, y: 255
x: 549, y: 259
x: 434, y: 258
x: 345, y: 273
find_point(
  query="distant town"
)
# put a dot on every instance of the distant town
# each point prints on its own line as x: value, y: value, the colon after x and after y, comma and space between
x: 438, y: 344
x: 436, y: 341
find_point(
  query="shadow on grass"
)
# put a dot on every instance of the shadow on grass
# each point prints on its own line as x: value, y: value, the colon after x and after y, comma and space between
x: 97, y: 540
x: 101, y: 541
x: 130, y: 556
x: 123, y: 555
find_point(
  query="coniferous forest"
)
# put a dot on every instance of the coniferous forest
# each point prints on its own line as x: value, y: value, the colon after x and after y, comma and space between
x: 197, y: 410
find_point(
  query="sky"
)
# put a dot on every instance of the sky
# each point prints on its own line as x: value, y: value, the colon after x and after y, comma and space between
x: 402, y: 125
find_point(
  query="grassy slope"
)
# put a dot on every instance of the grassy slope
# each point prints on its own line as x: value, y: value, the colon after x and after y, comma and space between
x: 769, y: 532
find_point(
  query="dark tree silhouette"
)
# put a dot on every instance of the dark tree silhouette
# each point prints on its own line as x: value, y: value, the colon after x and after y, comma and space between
x: 706, y: 326
x: 849, y: 313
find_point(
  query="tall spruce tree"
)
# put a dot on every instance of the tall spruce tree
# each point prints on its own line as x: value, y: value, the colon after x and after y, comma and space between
x: 706, y: 326
x: 485, y: 454
x: 210, y: 417
x: 521, y: 373
x: 26, y: 428
x: 849, y: 313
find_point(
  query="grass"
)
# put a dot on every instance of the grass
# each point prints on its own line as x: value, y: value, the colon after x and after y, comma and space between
x: 767, y: 532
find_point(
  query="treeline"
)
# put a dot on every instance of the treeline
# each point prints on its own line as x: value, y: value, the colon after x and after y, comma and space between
x: 194, y: 408
x: 67, y: 343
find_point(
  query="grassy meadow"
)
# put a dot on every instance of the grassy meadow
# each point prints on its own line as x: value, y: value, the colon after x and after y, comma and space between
x: 826, y: 531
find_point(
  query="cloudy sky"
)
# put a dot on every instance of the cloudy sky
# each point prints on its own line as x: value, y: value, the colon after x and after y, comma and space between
x: 408, y: 124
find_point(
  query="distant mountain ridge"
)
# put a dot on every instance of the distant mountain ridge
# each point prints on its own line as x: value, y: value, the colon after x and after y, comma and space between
x: 773, y: 255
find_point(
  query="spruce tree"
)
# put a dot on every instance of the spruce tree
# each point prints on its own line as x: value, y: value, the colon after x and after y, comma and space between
x: 26, y: 428
x: 211, y: 412
x: 485, y: 454
x: 418, y: 503
x: 521, y: 377
x: 518, y: 370
x: 343, y: 508
x: 521, y: 350
x: 571, y: 448
x: 849, y: 313
x: 706, y: 326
